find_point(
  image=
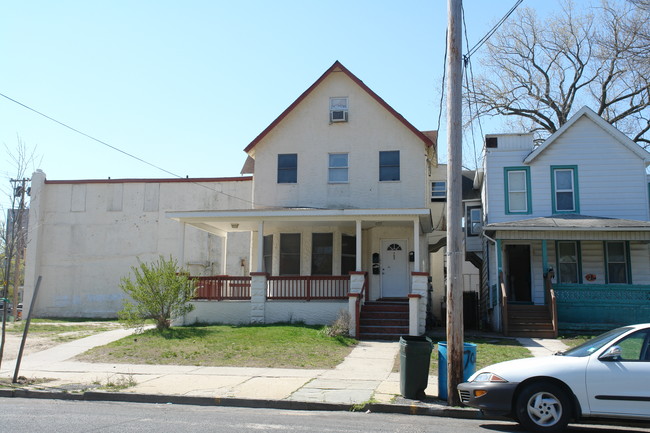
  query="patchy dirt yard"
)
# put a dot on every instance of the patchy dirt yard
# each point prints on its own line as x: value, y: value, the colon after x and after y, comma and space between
x: 43, y: 335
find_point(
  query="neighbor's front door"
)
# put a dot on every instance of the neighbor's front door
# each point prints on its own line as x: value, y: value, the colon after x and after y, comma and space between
x: 394, y: 269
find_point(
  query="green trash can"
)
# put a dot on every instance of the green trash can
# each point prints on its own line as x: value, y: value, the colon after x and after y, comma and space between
x: 415, y: 359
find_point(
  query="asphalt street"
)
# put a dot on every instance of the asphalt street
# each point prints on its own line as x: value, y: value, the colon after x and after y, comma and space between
x: 53, y: 416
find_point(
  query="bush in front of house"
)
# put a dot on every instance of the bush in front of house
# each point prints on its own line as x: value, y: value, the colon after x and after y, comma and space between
x: 159, y: 290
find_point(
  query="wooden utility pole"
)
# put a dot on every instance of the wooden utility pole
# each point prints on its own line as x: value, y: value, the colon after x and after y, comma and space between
x: 454, y: 202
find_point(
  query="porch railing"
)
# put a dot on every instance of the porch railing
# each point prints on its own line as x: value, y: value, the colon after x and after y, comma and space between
x: 358, y: 303
x: 223, y: 287
x: 307, y: 288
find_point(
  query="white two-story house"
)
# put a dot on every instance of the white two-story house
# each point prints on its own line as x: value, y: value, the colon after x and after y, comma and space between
x: 566, y: 229
x: 335, y: 209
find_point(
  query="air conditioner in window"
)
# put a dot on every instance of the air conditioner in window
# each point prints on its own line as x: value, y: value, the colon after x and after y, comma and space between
x: 338, y: 116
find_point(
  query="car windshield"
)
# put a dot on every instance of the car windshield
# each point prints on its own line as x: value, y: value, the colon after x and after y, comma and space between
x: 589, y: 347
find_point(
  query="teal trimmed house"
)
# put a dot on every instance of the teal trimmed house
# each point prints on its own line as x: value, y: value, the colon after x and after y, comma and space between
x: 566, y: 230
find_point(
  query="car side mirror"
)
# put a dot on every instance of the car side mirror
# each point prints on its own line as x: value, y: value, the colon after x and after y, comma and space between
x: 611, y: 354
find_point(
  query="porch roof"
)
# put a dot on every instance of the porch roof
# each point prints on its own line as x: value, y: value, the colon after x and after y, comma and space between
x: 574, y: 224
x: 219, y: 221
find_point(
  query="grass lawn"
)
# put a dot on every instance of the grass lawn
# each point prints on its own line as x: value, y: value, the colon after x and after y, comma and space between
x: 488, y: 351
x: 282, y: 346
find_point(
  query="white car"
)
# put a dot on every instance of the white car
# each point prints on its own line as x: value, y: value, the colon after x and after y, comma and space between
x: 606, y: 377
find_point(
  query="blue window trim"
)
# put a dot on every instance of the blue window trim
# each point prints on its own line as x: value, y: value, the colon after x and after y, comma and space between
x: 529, y: 201
x: 576, y: 193
x: 578, y: 258
x: 628, y: 262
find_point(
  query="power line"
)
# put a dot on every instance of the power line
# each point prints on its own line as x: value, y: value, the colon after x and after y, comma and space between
x: 484, y: 39
x: 442, y: 89
x: 118, y: 149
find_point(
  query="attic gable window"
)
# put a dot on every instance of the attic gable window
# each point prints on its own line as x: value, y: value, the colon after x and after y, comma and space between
x: 389, y: 165
x: 338, y: 110
x: 288, y: 168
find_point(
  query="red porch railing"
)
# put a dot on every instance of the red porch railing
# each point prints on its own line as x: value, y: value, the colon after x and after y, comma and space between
x: 357, y: 305
x: 306, y: 288
x: 219, y: 288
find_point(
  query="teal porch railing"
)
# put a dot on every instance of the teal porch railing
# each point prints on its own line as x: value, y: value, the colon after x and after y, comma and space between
x: 600, y: 307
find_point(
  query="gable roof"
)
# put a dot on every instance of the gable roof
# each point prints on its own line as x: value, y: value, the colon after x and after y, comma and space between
x: 338, y: 67
x: 606, y: 126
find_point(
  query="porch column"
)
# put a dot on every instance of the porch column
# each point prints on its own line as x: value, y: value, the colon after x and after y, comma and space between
x: 416, y: 245
x: 258, y: 297
x: 358, y: 246
x: 418, y: 303
x: 260, y: 247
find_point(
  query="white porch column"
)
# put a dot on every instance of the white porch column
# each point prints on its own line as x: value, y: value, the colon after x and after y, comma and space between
x: 416, y: 245
x: 418, y: 303
x: 358, y: 246
x: 260, y: 247
x: 258, y: 297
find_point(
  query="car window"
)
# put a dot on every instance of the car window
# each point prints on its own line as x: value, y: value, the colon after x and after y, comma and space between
x: 589, y: 347
x: 634, y: 346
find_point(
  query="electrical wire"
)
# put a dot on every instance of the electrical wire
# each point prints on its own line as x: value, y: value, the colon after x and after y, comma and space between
x: 442, y: 90
x: 484, y: 39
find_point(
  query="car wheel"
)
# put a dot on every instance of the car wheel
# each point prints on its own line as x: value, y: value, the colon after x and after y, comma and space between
x: 543, y: 407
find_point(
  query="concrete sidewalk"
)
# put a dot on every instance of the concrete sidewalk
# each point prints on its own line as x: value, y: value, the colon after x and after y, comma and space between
x: 366, y: 375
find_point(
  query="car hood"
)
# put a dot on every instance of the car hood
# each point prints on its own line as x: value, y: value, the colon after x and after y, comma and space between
x: 561, y: 367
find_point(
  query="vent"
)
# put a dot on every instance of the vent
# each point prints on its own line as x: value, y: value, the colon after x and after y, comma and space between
x: 338, y: 116
x: 491, y: 142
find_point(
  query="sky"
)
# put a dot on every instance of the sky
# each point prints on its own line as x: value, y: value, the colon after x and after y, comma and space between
x: 186, y: 85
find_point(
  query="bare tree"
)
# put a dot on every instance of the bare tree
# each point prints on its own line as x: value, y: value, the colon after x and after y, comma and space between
x: 542, y: 71
x: 13, y: 230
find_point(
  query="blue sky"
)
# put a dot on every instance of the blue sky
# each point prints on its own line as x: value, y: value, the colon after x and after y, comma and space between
x: 186, y: 85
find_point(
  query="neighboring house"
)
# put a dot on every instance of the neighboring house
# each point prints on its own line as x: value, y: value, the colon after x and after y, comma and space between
x: 340, y: 208
x: 566, y: 229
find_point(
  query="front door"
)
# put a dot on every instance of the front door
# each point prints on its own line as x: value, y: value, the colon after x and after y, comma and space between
x: 518, y: 274
x: 394, y: 269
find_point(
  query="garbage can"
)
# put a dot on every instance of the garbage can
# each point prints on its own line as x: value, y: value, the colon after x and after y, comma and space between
x: 415, y: 359
x: 469, y: 365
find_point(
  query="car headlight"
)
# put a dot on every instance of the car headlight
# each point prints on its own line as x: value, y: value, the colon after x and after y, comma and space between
x: 488, y: 377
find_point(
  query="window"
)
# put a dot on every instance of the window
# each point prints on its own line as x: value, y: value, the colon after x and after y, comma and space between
x: 634, y: 347
x: 289, y: 253
x: 268, y: 254
x: 338, y: 168
x: 616, y: 257
x: 338, y: 109
x: 438, y: 191
x: 517, y: 186
x: 564, y: 182
x: 473, y: 221
x: 321, y: 253
x: 389, y: 165
x: 288, y: 168
x: 568, y: 262
x: 348, y: 254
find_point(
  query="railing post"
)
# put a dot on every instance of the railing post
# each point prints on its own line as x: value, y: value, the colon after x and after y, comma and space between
x: 418, y: 303
x: 258, y: 296
x: 308, y: 289
x: 355, y: 297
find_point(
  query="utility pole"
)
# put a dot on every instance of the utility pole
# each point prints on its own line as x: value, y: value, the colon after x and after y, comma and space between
x: 454, y: 202
x: 18, y: 238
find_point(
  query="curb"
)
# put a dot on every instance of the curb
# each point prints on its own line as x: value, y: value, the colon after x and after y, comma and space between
x: 406, y: 409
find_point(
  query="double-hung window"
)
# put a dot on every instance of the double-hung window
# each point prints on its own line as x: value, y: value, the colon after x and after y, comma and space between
x: 288, y: 168
x: 616, y: 258
x: 321, y: 253
x: 473, y: 220
x: 338, y: 168
x: 564, y: 183
x: 568, y: 257
x: 389, y: 165
x: 438, y: 191
x: 348, y: 254
x: 517, y: 190
x: 289, y: 253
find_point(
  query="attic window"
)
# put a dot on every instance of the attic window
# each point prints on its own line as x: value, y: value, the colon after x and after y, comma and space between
x: 338, y: 110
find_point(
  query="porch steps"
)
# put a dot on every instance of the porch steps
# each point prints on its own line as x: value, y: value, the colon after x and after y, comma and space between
x: 384, y: 319
x: 529, y: 321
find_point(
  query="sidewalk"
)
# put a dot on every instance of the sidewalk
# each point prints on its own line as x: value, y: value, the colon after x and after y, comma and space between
x: 365, y: 376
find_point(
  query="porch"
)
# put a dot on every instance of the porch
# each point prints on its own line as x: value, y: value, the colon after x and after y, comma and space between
x: 578, y: 272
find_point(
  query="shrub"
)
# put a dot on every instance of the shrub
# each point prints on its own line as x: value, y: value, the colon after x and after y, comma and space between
x: 340, y: 327
x: 160, y: 291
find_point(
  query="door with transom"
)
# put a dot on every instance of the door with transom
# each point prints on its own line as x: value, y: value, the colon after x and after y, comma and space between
x: 394, y: 268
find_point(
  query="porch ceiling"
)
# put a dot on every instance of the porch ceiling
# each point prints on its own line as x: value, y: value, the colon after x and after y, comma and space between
x: 248, y: 219
x: 570, y: 226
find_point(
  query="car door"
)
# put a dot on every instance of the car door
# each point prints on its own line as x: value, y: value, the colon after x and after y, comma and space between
x: 619, y: 386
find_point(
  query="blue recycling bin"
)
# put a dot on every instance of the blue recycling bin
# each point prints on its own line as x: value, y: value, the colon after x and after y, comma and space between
x: 469, y: 365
